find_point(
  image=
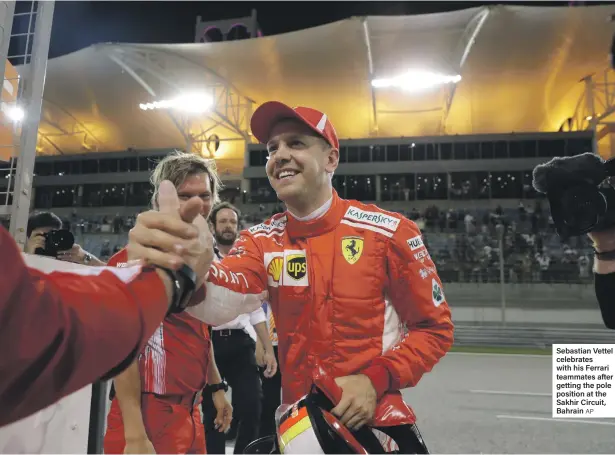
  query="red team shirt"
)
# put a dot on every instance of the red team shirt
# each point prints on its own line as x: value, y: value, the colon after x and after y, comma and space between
x: 176, y: 357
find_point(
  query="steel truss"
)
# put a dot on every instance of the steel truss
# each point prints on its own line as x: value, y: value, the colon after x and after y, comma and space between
x: 65, y: 124
x: 596, y: 103
x: 166, y: 74
x: 460, y: 55
x: 30, y: 29
x: 456, y: 62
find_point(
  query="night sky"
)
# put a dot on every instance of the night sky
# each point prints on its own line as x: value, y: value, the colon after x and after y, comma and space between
x: 81, y: 24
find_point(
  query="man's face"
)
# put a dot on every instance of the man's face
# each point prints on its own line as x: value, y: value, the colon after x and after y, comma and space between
x: 226, y: 229
x: 197, y: 185
x: 41, y: 231
x: 299, y: 161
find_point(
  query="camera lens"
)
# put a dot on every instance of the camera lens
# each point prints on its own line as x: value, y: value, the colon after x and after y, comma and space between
x: 583, y: 207
x: 60, y: 240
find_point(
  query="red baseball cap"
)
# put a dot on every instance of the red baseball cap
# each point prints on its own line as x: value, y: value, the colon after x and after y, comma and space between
x: 271, y: 112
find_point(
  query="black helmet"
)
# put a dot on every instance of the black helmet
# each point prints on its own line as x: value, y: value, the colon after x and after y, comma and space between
x: 308, y: 426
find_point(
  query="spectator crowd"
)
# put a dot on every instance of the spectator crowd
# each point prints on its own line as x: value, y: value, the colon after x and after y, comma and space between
x: 465, y: 243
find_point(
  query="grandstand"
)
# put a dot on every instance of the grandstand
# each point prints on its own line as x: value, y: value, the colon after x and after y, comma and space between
x: 457, y: 158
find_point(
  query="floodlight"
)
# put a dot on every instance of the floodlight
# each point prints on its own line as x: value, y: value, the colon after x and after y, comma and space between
x: 194, y: 103
x: 14, y: 113
x: 414, y: 81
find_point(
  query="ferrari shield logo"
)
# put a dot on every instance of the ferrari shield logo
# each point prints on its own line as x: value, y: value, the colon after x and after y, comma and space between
x: 352, y: 248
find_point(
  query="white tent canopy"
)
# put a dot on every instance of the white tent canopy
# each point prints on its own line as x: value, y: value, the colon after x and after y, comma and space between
x: 521, y: 69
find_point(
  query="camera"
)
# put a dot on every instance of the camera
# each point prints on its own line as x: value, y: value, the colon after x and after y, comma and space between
x: 580, y: 195
x: 56, y: 240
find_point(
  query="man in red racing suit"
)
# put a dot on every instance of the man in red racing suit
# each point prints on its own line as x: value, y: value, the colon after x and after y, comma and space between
x: 352, y: 287
x: 156, y: 407
x: 173, y: 368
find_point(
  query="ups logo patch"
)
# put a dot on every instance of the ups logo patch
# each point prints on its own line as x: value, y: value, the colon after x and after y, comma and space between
x: 296, y: 266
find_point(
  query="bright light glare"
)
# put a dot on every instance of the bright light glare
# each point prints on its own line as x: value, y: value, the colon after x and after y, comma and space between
x: 14, y: 113
x: 194, y: 103
x: 414, y: 81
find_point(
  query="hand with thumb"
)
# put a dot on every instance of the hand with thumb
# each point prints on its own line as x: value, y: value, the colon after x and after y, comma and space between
x: 162, y: 238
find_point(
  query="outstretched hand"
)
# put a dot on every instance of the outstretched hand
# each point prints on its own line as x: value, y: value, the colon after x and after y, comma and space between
x: 173, y: 235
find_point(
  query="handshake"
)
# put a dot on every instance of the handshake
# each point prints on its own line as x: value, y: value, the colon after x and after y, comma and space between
x: 175, y: 235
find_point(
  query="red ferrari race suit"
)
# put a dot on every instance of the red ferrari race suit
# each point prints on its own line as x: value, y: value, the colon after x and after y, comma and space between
x: 63, y: 330
x: 354, y: 291
x: 173, y: 369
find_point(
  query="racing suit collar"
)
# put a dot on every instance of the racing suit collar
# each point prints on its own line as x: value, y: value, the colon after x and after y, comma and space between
x: 317, y: 226
x: 316, y: 213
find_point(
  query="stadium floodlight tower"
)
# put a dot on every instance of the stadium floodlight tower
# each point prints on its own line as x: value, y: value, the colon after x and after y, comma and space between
x: 26, y: 31
x: 197, y: 100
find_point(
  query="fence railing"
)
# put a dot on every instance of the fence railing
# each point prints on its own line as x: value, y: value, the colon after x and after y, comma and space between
x: 528, y: 337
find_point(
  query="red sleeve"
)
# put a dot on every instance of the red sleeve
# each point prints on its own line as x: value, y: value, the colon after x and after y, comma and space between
x: 234, y: 284
x: 61, y: 331
x: 417, y: 295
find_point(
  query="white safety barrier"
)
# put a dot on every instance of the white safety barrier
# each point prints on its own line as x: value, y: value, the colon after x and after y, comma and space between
x: 63, y: 427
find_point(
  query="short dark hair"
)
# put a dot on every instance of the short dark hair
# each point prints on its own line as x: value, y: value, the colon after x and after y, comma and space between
x: 222, y: 205
x: 43, y: 220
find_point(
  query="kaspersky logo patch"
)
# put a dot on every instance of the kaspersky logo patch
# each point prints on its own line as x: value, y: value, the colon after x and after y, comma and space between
x: 296, y: 266
x: 373, y: 218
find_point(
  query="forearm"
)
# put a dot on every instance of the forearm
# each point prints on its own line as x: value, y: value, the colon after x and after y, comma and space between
x: 94, y: 261
x: 213, y: 374
x: 168, y: 286
x: 263, y: 336
x: 233, y: 286
x: 128, y: 392
x: 602, y: 267
x: 92, y: 326
x: 603, y: 242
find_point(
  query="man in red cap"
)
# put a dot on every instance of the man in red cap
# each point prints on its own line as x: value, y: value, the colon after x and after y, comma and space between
x: 352, y: 287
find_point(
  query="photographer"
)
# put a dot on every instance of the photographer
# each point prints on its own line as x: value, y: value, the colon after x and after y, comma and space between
x: 582, y: 201
x: 47, y: 238
x: 604, y: 274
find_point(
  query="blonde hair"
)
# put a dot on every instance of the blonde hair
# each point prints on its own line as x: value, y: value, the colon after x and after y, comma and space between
x: 178, y: 166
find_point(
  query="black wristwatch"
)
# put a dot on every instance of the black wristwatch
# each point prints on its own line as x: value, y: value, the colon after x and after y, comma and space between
x: 184, y: 285
x: 213, y: 388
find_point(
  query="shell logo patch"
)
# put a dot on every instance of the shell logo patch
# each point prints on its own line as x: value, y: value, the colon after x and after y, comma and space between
x: 275, y: 268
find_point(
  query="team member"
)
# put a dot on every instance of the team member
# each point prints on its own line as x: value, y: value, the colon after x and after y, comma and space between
x: 234, y: 350
x: 156, y: 407
x: 62, y: 330
x: 352, y: 287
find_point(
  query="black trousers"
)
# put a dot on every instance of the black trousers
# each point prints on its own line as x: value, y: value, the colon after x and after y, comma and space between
x: 234, y: 351
x: 272, y: 389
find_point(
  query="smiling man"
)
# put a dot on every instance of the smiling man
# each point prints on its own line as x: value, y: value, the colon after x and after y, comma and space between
x: 352, y: 287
